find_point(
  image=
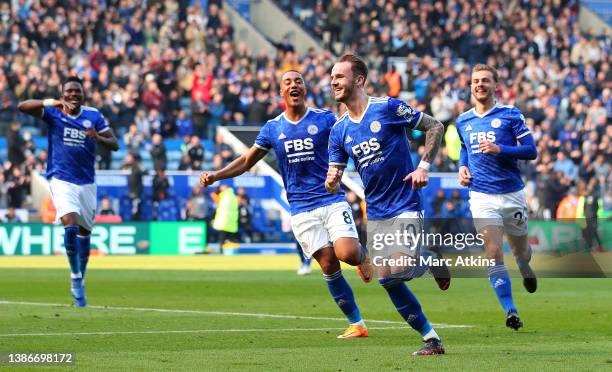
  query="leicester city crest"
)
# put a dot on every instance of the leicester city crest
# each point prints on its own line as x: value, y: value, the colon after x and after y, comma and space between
x: 375, y: 126
x: 496, y: 123
x: 312, y: 129
x: 405, y: 111
x: 87, y: 124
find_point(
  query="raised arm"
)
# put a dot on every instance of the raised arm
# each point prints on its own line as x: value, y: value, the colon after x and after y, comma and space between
x: 434, y: 131
x: 235, y: 168
x: 34, y: 107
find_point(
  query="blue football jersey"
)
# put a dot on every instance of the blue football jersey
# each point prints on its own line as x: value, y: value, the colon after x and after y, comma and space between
x: 71, y: 153
x: 301, y: 155
x: 503, y: 124
x: 379, y: 147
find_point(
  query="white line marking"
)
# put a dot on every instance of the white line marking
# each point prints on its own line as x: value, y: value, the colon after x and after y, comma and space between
x: 221, y: 313
x: 111, y: 333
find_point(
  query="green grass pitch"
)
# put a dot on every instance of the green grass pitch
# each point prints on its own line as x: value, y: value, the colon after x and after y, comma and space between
x: 567, y: 322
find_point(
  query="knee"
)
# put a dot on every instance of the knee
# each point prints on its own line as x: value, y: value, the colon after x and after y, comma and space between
x: 348, y: 257
x: 329, y: 265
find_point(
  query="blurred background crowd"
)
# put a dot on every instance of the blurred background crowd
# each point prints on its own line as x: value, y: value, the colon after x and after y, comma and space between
x: 167, y: 74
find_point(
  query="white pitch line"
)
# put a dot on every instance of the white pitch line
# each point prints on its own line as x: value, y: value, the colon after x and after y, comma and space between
x: 222, y: 313
x: 112, y: 333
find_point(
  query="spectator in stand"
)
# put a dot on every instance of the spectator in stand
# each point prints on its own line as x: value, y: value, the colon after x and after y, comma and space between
x: 158, y: 152
x: 17, y: 186
x: 195, y: 153
x: 161, y: 185
x: 394, y: 82
x: 133, y: 140
x: 184, y: 125
x: 105, y: 207
x: 223, y: 153
x: 16, y: 145
x: 152, y: 97
x: 135, y: 186
x: 11, y: 216
x: 244, y: 219
x: 197, y: 205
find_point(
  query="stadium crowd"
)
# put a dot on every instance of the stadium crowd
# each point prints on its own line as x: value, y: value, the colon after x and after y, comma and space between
x: 159, y: 70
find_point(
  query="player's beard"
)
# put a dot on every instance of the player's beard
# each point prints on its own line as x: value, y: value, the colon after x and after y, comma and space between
x: 347, y: 93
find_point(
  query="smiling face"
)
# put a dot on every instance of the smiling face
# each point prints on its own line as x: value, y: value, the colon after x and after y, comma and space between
x: 292, y: 89
x: 72, y: 92
x: 483, y: 85
x: 344, y: 82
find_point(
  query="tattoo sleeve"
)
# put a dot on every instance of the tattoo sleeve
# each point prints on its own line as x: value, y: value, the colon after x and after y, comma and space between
x: 434, y: 131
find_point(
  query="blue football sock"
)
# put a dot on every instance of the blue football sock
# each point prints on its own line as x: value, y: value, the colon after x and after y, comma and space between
x: 500, y: 281
x: 343, y: 295
x: 83, y: 243
x: 406, y: 304
x: 70, y: 243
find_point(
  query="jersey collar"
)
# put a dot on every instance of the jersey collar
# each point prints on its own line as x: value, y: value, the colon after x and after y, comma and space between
x: 77, y: 115
x: 299, y: 121
x: 496, y: 105
x: 362, y: 114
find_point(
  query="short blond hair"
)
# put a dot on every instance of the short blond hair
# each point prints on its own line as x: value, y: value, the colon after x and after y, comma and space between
x: 483, y: 67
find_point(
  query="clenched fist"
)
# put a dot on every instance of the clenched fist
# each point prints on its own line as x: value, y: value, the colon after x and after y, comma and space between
x: 332, y: 183
x: 207, y: 178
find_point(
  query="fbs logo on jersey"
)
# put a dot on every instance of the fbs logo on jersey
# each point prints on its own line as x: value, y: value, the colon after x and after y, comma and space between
x: 299, y: 145
x: 482, y: 136
x: 405, y: 111
x: 312, y: 129
x: 496, y: 123
x: 366, y: 147
x: 74, y: 137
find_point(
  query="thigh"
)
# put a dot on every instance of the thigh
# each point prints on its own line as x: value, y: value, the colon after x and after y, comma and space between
x: 87, y: 198
x: 310, y: 232
x: 394, y: 244
x: 486, y: 210
x: 65, y: 197
x: 338, y: 220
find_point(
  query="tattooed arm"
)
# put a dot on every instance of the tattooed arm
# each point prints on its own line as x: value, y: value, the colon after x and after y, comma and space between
x: 434, y: 131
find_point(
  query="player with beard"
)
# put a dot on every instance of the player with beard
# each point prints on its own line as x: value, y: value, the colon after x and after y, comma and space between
x: 493, y: 138
x: 321, y: 222
x: 373, y: 133
x: 74, y: 132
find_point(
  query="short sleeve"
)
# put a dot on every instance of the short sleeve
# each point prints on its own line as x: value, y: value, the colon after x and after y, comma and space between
x: 263, y: 138
x: 48, y: 114
x: 518, y: 125
x: 331, y: 119
x: 400, y: 113
x: 101, y: 124
x: 337, y: 155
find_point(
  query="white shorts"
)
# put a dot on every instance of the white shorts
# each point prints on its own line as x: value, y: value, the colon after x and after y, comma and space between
x: 506, y: 210
x: 70, y: 198
x: 321, y: 227
x: 380, y: 231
